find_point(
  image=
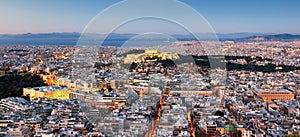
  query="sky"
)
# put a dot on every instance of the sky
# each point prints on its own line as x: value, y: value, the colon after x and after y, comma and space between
x: 224, y: 16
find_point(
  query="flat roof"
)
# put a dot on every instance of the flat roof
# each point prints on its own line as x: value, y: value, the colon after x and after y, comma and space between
x: 273, y: 91
x: 48, y: 88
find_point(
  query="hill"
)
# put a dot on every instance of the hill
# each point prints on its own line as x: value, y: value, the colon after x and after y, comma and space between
x: 278, y: 37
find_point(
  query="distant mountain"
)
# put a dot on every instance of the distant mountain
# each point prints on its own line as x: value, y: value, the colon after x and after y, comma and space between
x: 118, y: 39
x: 220, y: 36
x: 40, y: 39
x: 40, y: 36
x: 278, y: 37
x: 124, y: 35
x: 240, y: 35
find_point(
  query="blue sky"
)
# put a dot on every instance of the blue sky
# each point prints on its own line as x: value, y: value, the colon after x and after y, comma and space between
x: 225, y: 16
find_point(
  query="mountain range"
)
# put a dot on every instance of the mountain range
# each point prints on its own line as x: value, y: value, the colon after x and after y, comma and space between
x: 117, y: 39
x: 278, y: 37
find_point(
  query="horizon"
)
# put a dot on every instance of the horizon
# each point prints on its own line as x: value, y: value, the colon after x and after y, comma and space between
x: 265, y: 33
x: 121, y: 39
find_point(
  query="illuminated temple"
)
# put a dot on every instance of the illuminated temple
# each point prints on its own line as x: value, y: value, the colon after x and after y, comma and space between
x: 149, y: 55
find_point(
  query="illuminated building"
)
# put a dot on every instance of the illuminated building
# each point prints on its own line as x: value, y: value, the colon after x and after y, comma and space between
x: 47, y: 92
x: 149, y: 55
x: 267, y: 95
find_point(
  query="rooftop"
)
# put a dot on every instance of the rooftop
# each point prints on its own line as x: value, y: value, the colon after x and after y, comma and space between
x: 48, y: 88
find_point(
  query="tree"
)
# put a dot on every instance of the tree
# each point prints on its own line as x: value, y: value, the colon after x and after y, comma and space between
x: 13, y: 83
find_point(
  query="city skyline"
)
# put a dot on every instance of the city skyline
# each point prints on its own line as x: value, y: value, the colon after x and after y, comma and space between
x: 225, y: 17
x: 150, y: 68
